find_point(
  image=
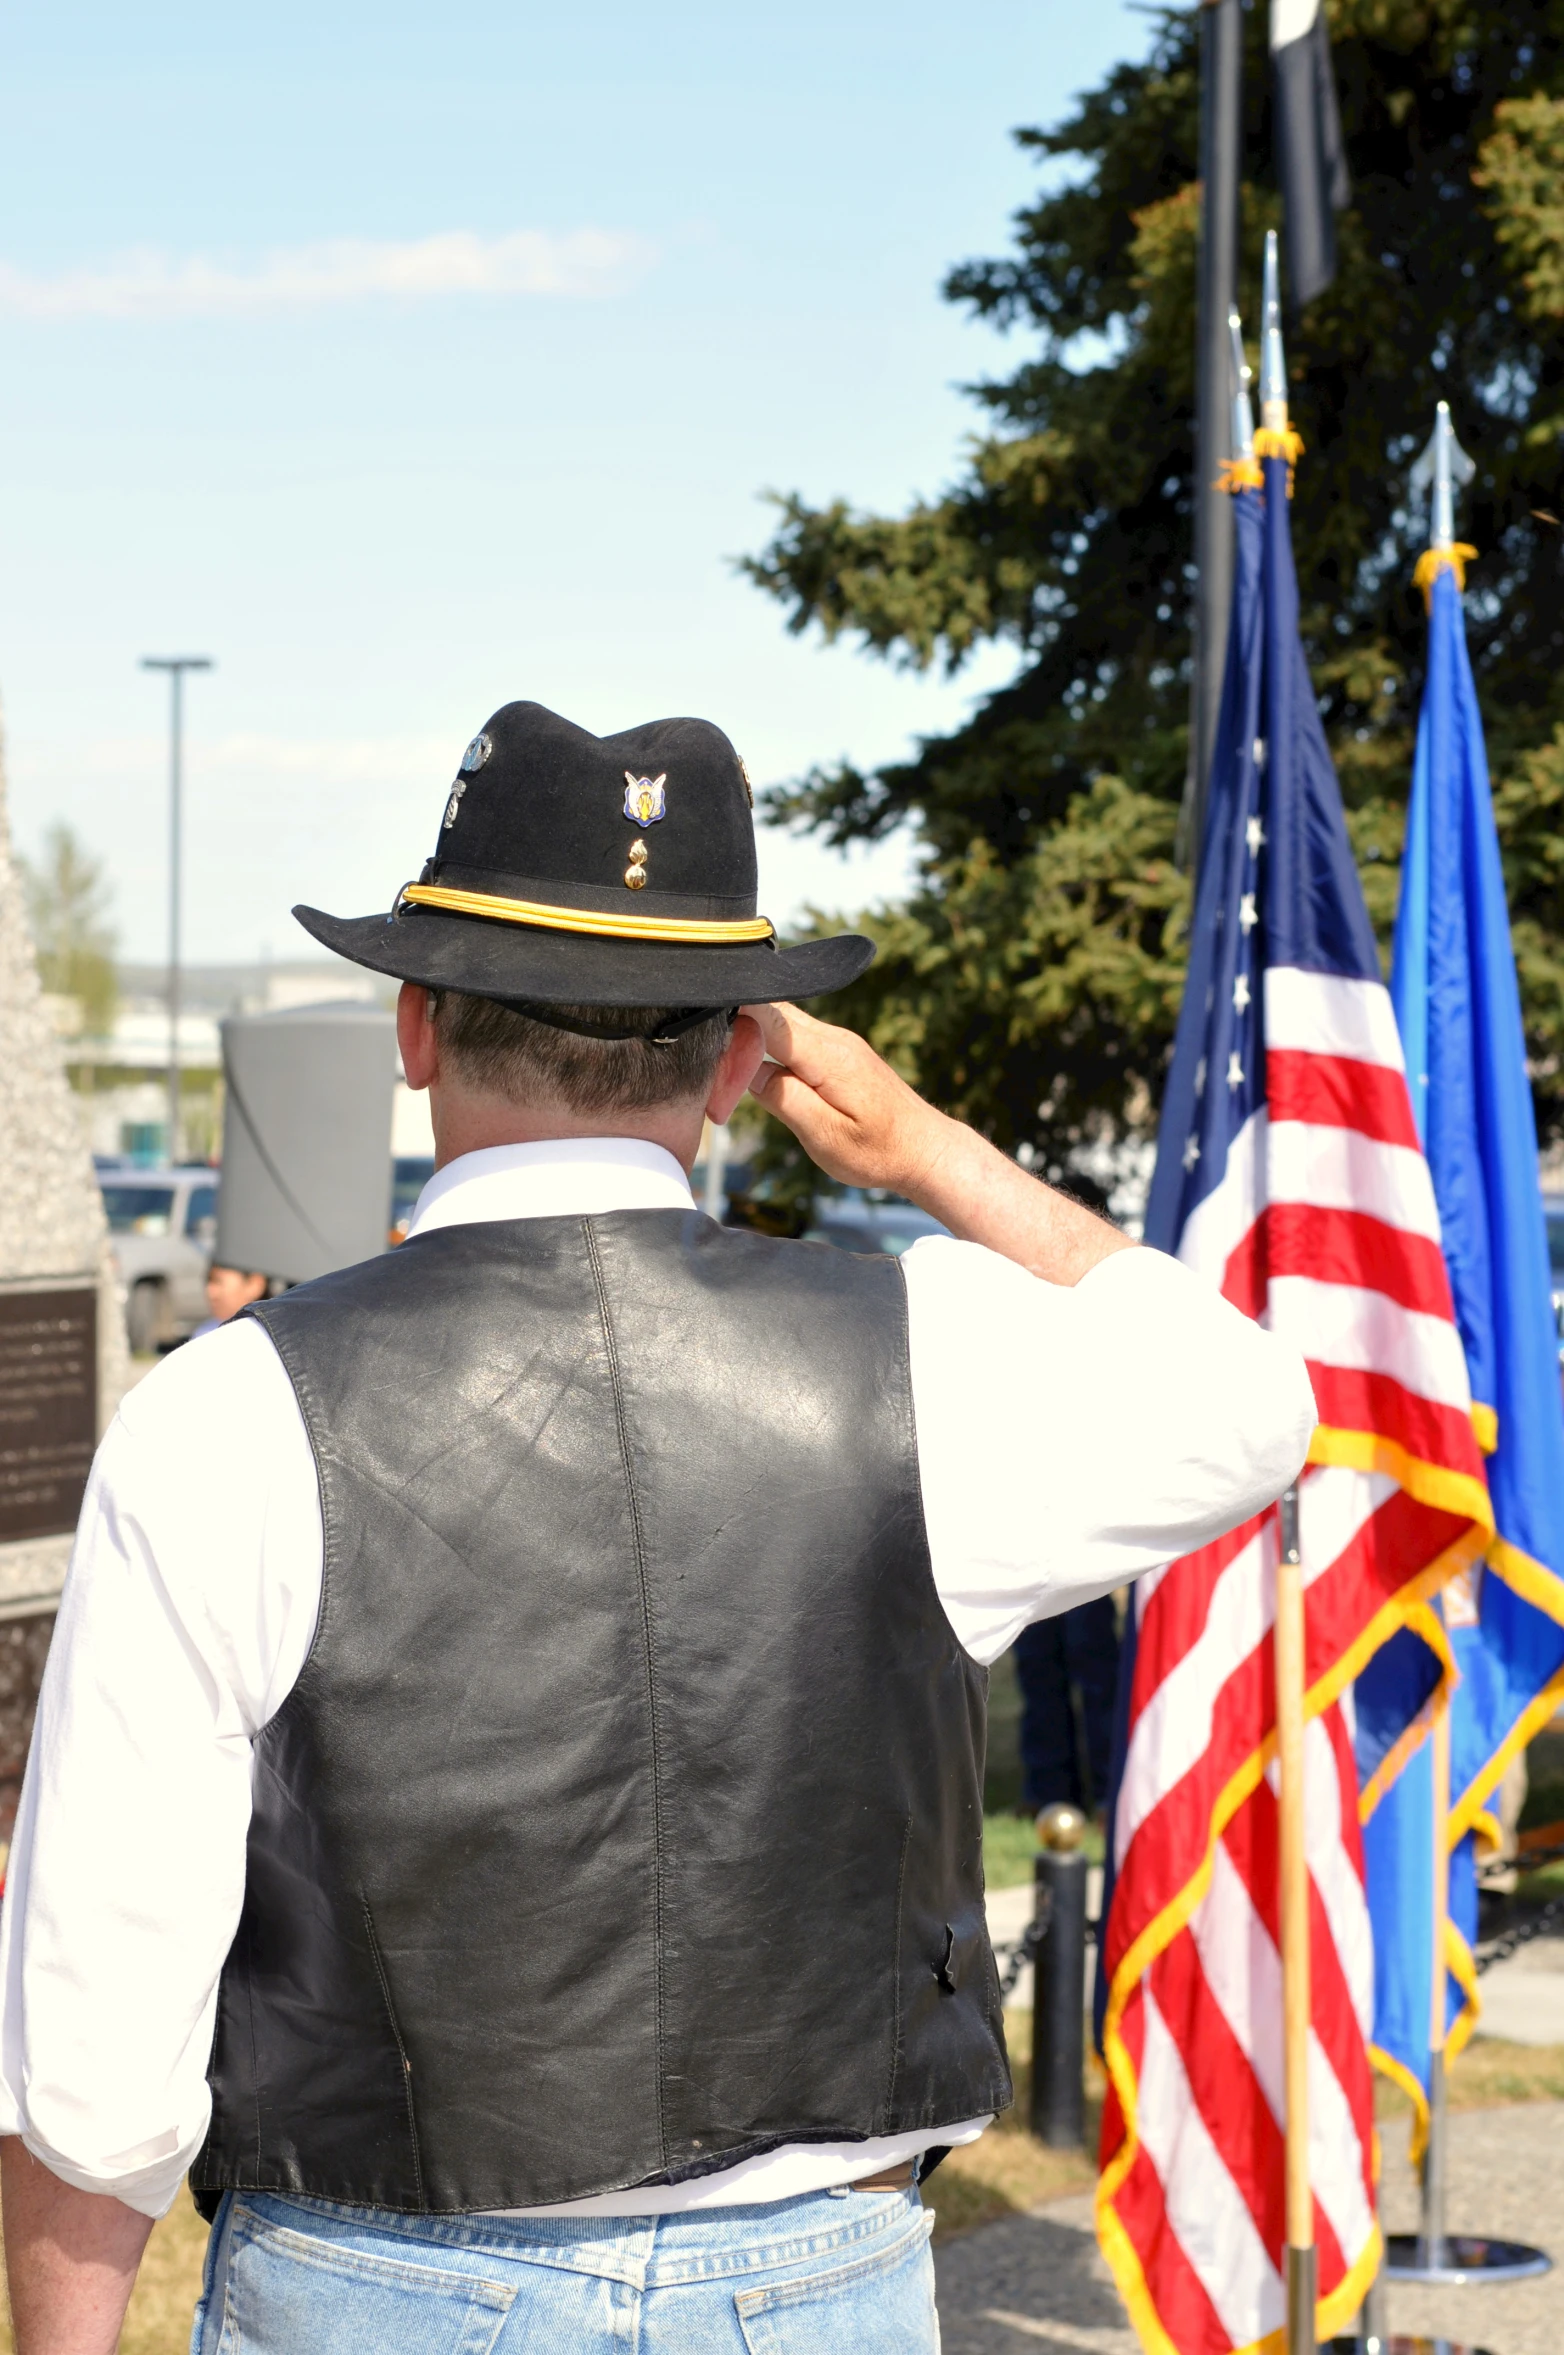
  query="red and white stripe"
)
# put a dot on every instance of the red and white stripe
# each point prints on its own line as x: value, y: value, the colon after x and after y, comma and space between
x: 1323, y: 1227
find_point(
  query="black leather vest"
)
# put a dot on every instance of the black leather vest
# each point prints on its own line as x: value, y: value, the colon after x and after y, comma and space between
x: 625, y: 1820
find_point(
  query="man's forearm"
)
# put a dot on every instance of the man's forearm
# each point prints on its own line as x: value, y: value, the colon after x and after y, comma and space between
x: 70, y: 2258
x: 984, y: 1197
x: 865, y: 1126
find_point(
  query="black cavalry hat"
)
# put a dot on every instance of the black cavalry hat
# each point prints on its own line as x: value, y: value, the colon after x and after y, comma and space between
x: 593, y: 870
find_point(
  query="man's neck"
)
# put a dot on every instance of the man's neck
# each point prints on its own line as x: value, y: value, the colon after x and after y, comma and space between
x: 465, y: 1123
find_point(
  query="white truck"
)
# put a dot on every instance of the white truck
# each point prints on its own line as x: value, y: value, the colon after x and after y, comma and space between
x: 162, y: 1225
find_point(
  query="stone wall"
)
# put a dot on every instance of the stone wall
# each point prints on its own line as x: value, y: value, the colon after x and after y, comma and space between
x: 51, y: 1229
x: 24, y: 1647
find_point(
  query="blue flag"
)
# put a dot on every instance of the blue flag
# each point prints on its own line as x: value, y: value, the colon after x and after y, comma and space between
x: 1399, y: 1865
x: 1458, y: 1006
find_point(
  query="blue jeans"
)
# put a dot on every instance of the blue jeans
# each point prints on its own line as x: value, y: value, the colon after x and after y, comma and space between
x: 830, y: 2273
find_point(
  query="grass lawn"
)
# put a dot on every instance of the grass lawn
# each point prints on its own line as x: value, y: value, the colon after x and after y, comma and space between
x: 163, y: 2302
x: 1489, y: 2075
x: 1010, y: 1847
x: 1545, y: 1773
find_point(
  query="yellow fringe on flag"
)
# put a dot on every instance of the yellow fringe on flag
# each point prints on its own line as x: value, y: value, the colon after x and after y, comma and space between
x: 1280, y: 442
x: 1460, y: 1965
x: 1240, y: 474
x: 1543, y: 1589
x: 1424, y: 1622
x: 1452, y: 556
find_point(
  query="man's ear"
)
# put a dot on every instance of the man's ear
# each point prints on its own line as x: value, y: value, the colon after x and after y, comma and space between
x: 415, y: 1038
x: 741, y: 1059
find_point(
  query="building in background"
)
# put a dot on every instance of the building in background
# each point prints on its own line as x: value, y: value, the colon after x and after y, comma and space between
x: 121, y: 1079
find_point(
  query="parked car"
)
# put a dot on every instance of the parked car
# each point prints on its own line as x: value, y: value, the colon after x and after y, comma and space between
x: 856, y: 1220
x: 1553, y: 1212
x: 162, y: 1226
x: 410, y: 1173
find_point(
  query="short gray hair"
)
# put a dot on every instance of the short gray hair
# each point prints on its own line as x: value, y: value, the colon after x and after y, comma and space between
x: 592, y: 1058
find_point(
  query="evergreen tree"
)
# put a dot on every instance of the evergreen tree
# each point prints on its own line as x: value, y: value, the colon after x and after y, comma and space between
x: 1032, y: 981
x: 67, y: 905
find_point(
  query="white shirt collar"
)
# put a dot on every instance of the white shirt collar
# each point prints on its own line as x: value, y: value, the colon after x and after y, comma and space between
x: 568, y: 1176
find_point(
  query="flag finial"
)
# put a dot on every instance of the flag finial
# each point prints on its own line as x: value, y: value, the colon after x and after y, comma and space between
x: 1276, y: 438
x: 1443, y: 464
x: 1243, y: 377
x: 1241, y: 472
x: 1273, y: 360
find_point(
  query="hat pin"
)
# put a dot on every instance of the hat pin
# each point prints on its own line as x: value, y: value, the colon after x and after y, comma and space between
x: 645, y: 800
x: 472, y: 761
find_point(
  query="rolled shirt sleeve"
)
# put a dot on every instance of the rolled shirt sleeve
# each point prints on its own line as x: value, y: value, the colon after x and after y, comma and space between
x: 1070, y: 1438
x: 189, y: 1604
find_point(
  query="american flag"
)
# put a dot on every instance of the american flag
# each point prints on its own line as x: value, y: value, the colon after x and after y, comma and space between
x: 1289, y: 1172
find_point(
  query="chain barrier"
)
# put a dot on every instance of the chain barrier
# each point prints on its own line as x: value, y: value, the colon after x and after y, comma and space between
x: 1031, y: 1939
x: 1491, y: 1951
x: 1488, y: 1952
x: 1497, y: 1867
x: 1500, y: 1948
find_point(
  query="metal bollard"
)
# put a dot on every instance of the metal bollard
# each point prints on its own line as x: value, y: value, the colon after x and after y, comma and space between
x: 1059, y: 1981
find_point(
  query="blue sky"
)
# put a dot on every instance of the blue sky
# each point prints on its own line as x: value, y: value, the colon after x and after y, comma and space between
x: 410, y: 359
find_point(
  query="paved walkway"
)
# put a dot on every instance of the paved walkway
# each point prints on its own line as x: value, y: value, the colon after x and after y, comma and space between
x: 1506, y: 2178
x: 1523, y: 1997
x: 1032, y: 2281
x: 1038, y: 2280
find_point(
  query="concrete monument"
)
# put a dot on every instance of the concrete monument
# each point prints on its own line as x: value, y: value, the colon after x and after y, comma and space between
x: 62, y: 1346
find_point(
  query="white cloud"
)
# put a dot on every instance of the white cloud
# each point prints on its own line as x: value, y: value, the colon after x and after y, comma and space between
x: 337, y: 760
x: 149, y: 285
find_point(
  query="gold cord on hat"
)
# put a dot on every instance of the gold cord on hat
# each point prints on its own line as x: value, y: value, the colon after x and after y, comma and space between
x: 525, y: 911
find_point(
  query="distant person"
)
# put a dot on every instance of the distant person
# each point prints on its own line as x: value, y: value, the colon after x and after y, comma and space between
x: 1074, y: 1656
x: 1076, y: 1653
x: 505, y: 1812
x: 228, y: 1290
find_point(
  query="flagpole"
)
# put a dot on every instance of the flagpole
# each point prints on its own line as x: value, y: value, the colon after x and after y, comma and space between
x: 1290, y: 1677
x: 1221, y: 140
x: 1431, y: 2246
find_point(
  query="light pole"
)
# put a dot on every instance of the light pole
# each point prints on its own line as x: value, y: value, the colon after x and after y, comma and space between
x: 176, y: 666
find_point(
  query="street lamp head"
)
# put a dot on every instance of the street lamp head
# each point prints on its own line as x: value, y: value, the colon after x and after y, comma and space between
x: 177, y: 662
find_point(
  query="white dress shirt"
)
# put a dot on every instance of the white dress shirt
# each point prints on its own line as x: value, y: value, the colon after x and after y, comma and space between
x: 1068, y: 1439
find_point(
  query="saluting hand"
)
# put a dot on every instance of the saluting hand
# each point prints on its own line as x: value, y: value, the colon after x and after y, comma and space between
x: 846, y: 1106
x: 864, y: 1126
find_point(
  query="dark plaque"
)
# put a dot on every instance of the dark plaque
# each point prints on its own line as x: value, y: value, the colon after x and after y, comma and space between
x: 48, y: 1407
